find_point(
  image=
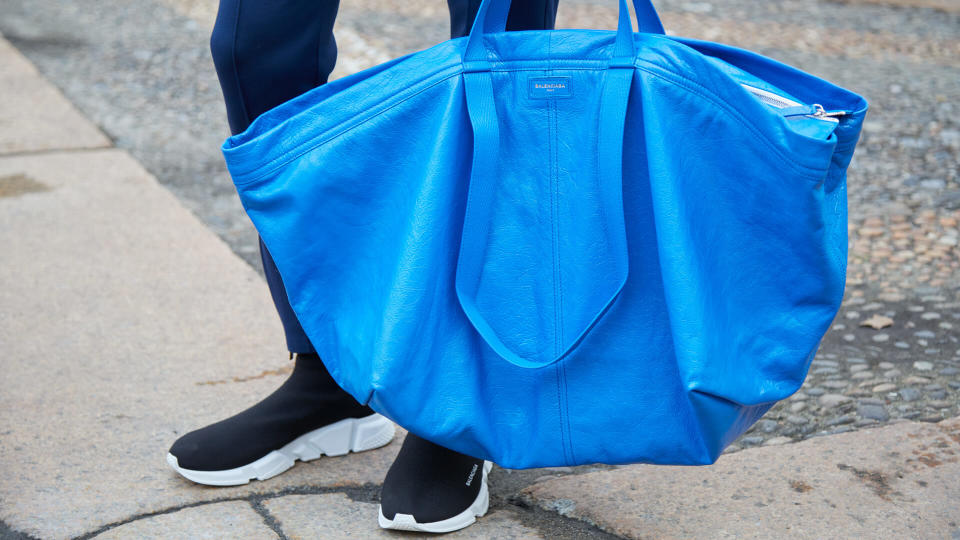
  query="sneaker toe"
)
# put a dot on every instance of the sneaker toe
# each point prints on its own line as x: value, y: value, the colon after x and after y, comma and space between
x: 189, y: 453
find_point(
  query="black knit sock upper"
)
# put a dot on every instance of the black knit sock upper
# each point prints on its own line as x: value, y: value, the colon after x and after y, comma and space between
x: 430, y: 482
x: 308, y: 400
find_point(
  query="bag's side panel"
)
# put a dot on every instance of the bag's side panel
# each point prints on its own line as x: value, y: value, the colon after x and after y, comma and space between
x: 752, y: 281
x: 349, y: 223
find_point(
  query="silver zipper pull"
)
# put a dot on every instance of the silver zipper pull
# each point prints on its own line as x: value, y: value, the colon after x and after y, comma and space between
x: 821, y: 113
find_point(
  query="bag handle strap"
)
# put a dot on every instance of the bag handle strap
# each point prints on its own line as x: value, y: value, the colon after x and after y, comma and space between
x: 492, y: 18
x: 648, y: 20
x: 483, y: 175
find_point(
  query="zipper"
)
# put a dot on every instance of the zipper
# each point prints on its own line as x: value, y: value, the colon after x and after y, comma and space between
x: 820, y: 113
x: 770, y: 98
x: 795, y: 109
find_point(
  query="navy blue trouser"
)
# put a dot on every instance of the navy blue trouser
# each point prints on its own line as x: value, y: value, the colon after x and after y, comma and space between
x: 267, y: 52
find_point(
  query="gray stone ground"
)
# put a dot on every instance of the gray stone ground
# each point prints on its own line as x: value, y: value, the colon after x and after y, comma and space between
x: 141, y: 71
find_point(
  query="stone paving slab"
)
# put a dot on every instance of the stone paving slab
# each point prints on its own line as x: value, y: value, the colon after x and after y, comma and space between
x: 335, y: 516
x: 898, y: 481
x: 123, y: 322
x: 34, y: 115
x: 235, y: 519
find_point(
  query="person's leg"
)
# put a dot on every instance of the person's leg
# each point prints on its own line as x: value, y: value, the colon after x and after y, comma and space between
x: 265, y: 53
x: 430, y: 488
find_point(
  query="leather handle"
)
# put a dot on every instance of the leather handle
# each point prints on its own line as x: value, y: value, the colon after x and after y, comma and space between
x: 477, y: 217
x: 492, y: 18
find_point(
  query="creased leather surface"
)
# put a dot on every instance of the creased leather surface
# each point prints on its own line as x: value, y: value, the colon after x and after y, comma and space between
x: 736, y: 240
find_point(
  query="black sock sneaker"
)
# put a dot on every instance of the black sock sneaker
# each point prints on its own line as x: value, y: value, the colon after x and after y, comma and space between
x: 308, y: 416
x: 432, y: 489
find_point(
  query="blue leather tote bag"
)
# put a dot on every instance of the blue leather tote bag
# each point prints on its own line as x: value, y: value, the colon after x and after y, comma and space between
x: 559, y: 247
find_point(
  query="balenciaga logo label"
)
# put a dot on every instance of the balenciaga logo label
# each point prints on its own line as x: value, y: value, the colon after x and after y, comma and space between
x: 473, y: 472
x: 549, y: 87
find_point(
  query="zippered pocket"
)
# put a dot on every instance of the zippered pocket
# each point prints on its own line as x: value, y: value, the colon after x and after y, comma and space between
x: 793, y: 108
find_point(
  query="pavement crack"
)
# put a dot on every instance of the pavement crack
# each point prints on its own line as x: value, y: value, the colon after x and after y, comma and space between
x: 9, y: 533
x: 364, y: 493
x: 268, y: 519
x: 553, y: 525
x: 162, y: 512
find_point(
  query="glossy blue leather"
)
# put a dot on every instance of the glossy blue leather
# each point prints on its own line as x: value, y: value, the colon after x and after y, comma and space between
x: 560, y: 247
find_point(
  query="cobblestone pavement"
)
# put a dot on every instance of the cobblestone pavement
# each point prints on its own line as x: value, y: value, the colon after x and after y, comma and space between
x: 142, y: 72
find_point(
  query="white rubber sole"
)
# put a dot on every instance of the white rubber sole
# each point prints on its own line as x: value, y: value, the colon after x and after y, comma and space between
x: 406, y: 522
x: 337, y: 439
